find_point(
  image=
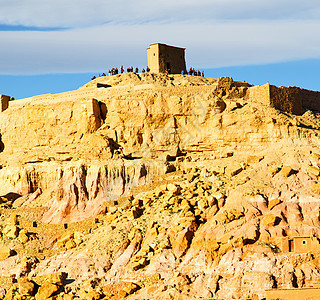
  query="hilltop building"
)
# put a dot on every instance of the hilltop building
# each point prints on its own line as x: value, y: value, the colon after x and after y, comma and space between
x: 163, y: 58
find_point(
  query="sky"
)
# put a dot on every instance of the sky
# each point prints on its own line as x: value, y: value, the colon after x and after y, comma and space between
x: 55, y: 46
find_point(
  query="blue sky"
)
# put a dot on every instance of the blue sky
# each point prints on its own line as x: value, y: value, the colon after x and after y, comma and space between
x: 55, y: 46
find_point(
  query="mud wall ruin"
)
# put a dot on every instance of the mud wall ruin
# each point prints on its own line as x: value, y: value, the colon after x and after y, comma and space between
x: 299, y: 244
x: 292, y: 100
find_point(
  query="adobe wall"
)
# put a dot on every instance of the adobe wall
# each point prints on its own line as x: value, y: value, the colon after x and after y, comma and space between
x: 310, y: 99
x: 286, y: 99
x: 300, y: 244
x: 174, y: 57
x: 293, y: 294
x: 259, y: 93
x: 161, y: 57
x: 4, y: 102
x: 153, y: 58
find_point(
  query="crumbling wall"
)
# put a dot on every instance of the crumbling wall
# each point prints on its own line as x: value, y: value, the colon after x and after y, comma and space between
x: 310, y: 99
x: 259, y: 93
x: 292, y: 100
x: 286, y: 99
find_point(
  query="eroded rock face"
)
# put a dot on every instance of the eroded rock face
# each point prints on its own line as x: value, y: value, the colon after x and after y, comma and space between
x: 154, y: 186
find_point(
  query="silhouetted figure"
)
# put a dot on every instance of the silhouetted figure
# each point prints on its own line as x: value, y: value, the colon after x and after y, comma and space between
x: 143, y: 70
x: 137, y: 70
x: 148, y: 69
x: 94, y: 77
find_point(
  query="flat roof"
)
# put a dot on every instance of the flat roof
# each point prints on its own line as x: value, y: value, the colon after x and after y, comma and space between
x: 166, y: 46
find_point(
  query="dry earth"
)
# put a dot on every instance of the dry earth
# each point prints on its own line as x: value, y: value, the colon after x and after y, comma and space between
x: 145, y: 186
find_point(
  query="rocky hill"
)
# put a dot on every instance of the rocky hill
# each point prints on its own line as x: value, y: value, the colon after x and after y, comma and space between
x: 149, y: 186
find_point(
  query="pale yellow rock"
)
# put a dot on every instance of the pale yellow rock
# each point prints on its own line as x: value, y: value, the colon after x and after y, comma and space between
x: 254, y: 158
x: 202, y: 204
x: 5, y: 252
x: 70, y: 244
x: 273, y: 170
x: 272, y: 203
x: 91, y: 295
x: 269, y: 220
x: 234, y: 214
x: 113, y: 209
x: 226, y: 238
x: 191, y: 177
x: 11, y: 231
x: 316, y: 156
x: 237, y: 242
x: 139, y: 264
x: 65, y: 238
x: 316, y: 188
x: 26, y: 287
x: 286, y: 171
x: 233, y: 171
x: 314, y: 170
x: 137, y: 202
x: 46, y: 290
x: 23, y: 237
x: 13, y: 220
x: 77, y: 237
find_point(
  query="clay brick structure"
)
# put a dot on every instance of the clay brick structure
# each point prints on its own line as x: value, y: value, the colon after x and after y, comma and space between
x: 163, y: 58
x: 299, y: 244
x: 4, y: 100
x: 292, y: 100
x: 286, y: 99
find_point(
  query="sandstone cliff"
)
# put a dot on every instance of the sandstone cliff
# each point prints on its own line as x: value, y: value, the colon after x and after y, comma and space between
x: 152, y: 186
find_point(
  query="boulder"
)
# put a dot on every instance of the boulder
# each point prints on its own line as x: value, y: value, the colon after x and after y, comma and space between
x: 272, y: 203
x: 64, y: 239
x: 183, y: 240
x: 286, y: 171
x: 314, y: 170
x: 23, y: 236
x: 13, y: 220
x: 70, y: 244
x: 233, y: 170
x: 26, y: 287
x: 56, y: 278
x: 269, y: 220
x: 5, y: 252
x: 316, y: 188
x: 46, y: 291
x: 11, y: 231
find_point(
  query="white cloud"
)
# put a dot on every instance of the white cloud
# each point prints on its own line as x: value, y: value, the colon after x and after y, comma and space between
x: 110, y: 33
x: 208, y: 45
x: 75, y: 13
